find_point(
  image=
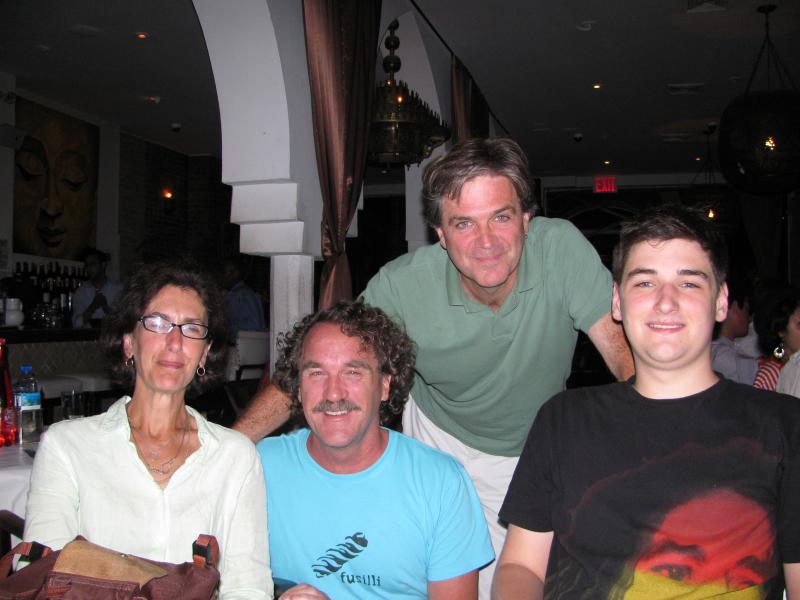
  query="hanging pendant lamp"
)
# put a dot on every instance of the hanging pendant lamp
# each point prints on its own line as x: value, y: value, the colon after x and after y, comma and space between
x: 403, y: 129
x: 759, y: 133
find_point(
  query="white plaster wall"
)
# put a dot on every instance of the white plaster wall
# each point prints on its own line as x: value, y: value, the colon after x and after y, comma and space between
x: 252, y: 98
x: 290, y: 35
x: 257, y: 53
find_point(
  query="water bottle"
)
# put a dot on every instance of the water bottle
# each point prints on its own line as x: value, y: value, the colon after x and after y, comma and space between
x: 28, y: 401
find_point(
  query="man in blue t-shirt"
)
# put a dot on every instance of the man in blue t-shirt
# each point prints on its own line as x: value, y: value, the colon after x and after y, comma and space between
x: 356, y: 510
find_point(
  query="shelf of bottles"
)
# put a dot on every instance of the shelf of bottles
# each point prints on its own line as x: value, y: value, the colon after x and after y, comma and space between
x: 51, y: 287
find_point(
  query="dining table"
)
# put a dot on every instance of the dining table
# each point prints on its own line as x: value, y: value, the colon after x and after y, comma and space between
x: 16, y: 463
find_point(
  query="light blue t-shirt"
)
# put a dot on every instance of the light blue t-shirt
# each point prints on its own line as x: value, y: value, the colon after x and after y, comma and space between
x: 410, y: 518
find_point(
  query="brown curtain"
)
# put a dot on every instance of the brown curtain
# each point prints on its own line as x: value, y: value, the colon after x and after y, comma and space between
x: 341, y: 46
x: 460, y: 83
x: 469, y: 108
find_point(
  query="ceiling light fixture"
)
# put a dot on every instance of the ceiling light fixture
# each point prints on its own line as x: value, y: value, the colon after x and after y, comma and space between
x: 596, y: 86
x: 403, y: 128
x: 759, y: 133
x: 141, y: 35
x: 607, y: 163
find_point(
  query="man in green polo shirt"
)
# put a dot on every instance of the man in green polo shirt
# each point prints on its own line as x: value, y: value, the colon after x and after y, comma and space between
x: 494, y: 309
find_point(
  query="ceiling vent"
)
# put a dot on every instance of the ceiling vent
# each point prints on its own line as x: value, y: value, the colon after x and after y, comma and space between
x: 706, y: 6
x: 673, y: 137
x: 684, y: 89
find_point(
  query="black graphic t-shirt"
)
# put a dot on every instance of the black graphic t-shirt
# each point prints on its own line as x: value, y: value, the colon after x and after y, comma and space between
x: 693, y: 498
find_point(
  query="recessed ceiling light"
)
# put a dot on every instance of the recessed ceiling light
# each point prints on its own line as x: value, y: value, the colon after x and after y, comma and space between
x: 607, y: 162
x: 596, y: 86
x: 141, y: 35
x: 698, y: 158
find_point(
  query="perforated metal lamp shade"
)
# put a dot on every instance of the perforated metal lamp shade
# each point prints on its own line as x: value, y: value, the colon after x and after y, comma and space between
x: 759, y: 142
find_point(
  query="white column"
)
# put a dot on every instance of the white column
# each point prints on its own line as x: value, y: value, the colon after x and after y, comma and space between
x: 291, y: 294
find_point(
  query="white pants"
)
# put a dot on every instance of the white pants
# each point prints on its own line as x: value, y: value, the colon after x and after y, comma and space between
x: 490, y: 474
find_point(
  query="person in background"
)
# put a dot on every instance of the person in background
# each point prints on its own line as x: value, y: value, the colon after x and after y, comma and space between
x: 151, y: 474
x: 243, y: 308
x: 778, y: 325
x: 675, y: 484
x: 93, y: 300
x: 726, y: 358
x: 357, y: 511
x: 494, y: 309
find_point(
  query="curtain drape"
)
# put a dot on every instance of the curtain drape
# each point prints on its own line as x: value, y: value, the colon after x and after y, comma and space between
x: 341, y: 47
x: 470, y: 112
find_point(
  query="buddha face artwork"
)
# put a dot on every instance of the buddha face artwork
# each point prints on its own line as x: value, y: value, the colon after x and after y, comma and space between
x: 55, y: 183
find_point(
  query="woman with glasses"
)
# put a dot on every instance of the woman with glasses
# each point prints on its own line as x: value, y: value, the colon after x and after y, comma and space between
x: 151, y: 474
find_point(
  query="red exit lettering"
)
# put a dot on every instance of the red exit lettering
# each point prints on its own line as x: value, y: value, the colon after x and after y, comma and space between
x: 605, y: 185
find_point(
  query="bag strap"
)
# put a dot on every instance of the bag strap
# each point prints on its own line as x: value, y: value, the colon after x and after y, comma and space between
x: 29, y: 550
x: 205, y: 550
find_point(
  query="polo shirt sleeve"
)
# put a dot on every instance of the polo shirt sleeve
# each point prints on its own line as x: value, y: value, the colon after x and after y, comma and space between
x: 586, y: 283
x: 460, y: 541
x: 529, y: 500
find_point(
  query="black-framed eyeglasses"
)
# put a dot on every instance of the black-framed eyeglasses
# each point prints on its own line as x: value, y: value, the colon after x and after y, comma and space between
x: 158, y: 324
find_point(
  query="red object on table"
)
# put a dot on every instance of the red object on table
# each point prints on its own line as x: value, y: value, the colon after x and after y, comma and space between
x: 8, y: 413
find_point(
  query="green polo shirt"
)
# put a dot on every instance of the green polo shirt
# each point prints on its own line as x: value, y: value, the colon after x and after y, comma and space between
x: 481, y: 376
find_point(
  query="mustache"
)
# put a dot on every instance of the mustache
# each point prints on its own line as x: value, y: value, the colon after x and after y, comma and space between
x: 335, y: 406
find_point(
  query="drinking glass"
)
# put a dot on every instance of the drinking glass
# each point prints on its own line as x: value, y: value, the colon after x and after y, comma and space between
x: 72, y: 405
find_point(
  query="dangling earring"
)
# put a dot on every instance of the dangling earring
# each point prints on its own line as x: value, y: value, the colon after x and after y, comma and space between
x: 129, y: 362
x: 779, y: 351
x: 201, y: 370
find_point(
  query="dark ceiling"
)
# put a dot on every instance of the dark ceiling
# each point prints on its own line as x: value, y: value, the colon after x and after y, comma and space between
x: 535, y: 62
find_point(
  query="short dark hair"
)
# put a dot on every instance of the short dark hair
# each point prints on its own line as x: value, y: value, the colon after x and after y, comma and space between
x: 444, y: 177
x: 393, y: 348
x: 139, y: 290
x: 672, y: 221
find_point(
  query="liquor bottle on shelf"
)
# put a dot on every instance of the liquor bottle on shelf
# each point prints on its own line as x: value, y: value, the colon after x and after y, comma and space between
x: 8, y: 412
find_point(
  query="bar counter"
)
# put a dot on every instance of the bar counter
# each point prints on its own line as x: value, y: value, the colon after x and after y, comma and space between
x: 53, y: 352
x: 14, y: 335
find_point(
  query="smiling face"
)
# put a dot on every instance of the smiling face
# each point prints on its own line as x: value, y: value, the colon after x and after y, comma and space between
x: 166, y: 364
x: 791, y: 335
x: 341, y: 389
x: 483, y: 232
x: 668, y: 300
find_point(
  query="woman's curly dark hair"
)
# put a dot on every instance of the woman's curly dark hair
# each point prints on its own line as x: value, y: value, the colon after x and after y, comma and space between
x: 772, y: 317
x: 394, y: 350
x: 139, y: 290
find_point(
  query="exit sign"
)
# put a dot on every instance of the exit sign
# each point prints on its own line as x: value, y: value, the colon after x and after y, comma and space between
x: 605, y: 185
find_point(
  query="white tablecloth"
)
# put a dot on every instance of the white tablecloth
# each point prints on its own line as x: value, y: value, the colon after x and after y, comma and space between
x: 15, y: 475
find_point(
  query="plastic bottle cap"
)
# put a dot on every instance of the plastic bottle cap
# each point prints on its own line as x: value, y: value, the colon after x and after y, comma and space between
x: 26, y: 369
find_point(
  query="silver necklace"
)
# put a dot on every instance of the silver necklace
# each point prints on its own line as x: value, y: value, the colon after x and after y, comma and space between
x: 165, y: 467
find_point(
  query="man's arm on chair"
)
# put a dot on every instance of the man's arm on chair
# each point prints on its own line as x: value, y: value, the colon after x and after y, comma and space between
x: 522, y: 565
x: 268, y: 411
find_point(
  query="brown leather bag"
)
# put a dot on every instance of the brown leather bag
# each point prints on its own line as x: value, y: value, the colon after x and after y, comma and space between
x: 83, y: 571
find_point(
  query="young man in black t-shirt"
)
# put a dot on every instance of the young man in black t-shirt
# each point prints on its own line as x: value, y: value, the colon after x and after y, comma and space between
x: 675, y: 484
